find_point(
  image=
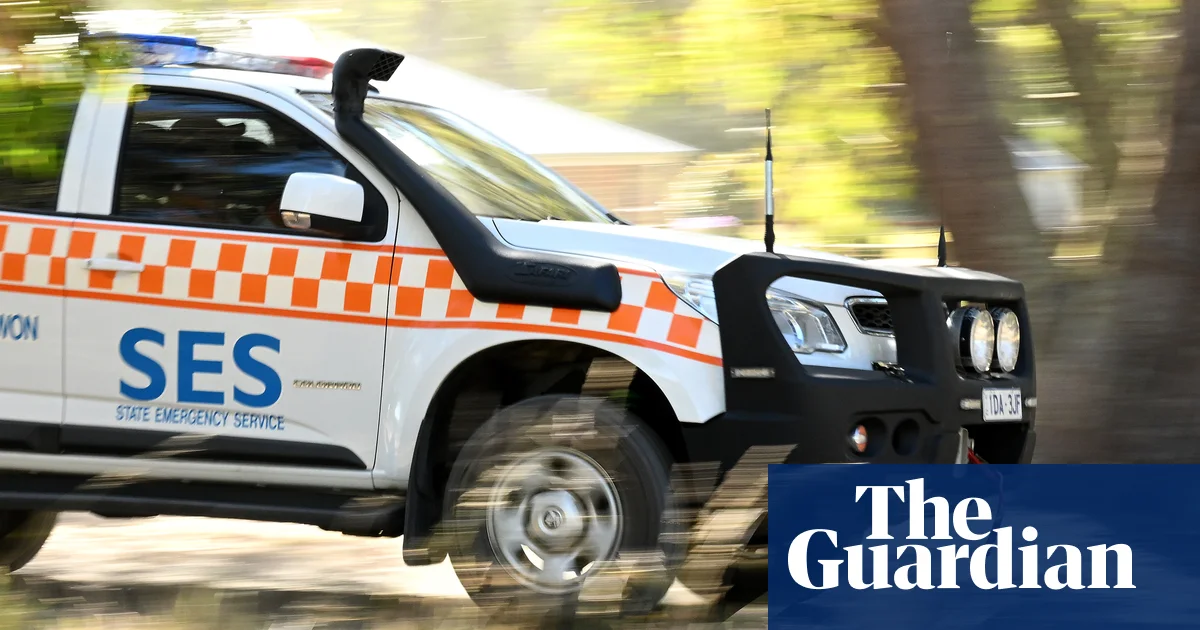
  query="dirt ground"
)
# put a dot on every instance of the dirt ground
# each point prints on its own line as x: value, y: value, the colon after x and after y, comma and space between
x: 209, y: 573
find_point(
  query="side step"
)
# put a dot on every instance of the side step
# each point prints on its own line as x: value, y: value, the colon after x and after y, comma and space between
x: 356, y: 514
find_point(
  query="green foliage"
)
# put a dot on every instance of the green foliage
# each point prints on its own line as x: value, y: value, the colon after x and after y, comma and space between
x: 30, y: 113
x: 700, y: 71
x: 837, y: 141
x: 39, y: 85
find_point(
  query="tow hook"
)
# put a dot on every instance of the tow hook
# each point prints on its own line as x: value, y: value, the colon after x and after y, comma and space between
x: 891, y: 369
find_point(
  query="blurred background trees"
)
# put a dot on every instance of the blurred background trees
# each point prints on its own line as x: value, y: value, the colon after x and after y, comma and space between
x: 33, y: 85
x: 1057, y: 139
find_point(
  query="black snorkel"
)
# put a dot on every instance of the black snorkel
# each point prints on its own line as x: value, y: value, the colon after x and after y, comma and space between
x: 491, y: 270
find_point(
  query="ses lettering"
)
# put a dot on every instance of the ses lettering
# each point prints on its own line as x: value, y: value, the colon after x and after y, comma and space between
x: 189, y: 366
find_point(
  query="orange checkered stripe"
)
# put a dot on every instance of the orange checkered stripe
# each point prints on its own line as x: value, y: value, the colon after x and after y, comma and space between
x: 288, y: 277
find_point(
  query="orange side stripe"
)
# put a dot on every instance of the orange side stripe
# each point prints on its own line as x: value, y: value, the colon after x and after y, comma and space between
x: 243, y: 237
x: 24, y: 288
x: 375, y: 321
x: 115, y: 226
x: 225, y: 308
x: 555, y: 330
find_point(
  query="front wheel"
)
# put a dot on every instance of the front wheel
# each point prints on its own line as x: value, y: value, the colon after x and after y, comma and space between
x: 556, y: 494
x: 22, y: 535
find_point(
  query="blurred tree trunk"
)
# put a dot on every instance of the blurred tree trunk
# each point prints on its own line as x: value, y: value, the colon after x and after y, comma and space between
x: 964, y: 162
x: 1153, y: 403
x: 1082, y: 53
x: 1120, y: 389
x: 1123, y: 189
x: 967, y: 172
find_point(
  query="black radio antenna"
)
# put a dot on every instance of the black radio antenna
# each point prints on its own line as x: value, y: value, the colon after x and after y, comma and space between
x: 769, y: 235
x: 942, y: 205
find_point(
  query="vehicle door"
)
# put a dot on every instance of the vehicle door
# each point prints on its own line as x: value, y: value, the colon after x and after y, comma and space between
x: 202, y: 319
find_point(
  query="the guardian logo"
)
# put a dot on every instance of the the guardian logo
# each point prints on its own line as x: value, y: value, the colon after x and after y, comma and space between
x: 987, y: 566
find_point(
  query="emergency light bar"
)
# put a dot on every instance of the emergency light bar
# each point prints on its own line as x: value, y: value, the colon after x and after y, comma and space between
x: 149, y: 51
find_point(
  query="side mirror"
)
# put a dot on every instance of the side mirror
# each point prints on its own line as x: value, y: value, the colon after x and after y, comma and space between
x: 309, y: 195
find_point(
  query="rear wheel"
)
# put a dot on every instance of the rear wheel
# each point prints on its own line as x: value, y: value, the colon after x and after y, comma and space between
x: 22, y: 535
x: 558, y: 498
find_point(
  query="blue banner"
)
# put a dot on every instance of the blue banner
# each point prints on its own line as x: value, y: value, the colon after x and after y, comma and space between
x: 1076, y: 547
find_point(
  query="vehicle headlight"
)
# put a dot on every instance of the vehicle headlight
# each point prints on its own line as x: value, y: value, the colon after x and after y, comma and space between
x: 806, y: 326
x: 1008, y: 338
x: 976, y: 335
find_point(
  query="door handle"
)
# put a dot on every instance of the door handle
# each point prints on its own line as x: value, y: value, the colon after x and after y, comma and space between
x: 114, y: 264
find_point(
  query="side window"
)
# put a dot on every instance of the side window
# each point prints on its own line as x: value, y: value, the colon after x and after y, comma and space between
x: 35, y: 126
x: 200, y: 160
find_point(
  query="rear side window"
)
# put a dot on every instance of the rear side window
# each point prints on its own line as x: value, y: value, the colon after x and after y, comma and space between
x: 35, y: 125
x: 203, y: 160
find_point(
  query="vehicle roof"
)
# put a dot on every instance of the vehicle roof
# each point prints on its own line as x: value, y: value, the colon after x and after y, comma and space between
x: 507, y: 113
x: 285, y: 85
x: 282, y: 84
x: 524, y: 119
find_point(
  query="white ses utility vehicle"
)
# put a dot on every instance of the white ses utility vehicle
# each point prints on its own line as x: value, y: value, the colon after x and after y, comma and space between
x: 254, y: 292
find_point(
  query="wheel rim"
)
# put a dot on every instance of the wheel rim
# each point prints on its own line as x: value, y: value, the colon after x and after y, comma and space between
x: 552, y: 516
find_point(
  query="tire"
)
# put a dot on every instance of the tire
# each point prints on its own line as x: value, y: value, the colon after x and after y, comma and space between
x: 564, y: 475
x: 22, y: 535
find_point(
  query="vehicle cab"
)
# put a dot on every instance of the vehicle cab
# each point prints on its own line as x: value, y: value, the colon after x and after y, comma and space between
x: 264, y: 290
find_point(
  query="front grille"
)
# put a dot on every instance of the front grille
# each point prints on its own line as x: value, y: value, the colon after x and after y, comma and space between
x: 872, y: 315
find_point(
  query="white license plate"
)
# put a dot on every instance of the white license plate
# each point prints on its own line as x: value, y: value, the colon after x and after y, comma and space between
x: 1001, y: 404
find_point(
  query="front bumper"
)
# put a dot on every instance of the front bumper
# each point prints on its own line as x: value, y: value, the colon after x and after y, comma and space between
x: 913, y: 415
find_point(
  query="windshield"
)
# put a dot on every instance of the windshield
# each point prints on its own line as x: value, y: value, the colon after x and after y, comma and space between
x: 486, y: 175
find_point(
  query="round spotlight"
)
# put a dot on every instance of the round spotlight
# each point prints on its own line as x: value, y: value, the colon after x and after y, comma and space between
x: 1008, y: 338
x: 976, y: 337
x: 858, y: 439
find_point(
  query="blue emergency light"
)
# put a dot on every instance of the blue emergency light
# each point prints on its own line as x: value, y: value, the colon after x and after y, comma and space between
x: 149, y: 51
x: 157, y: 50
